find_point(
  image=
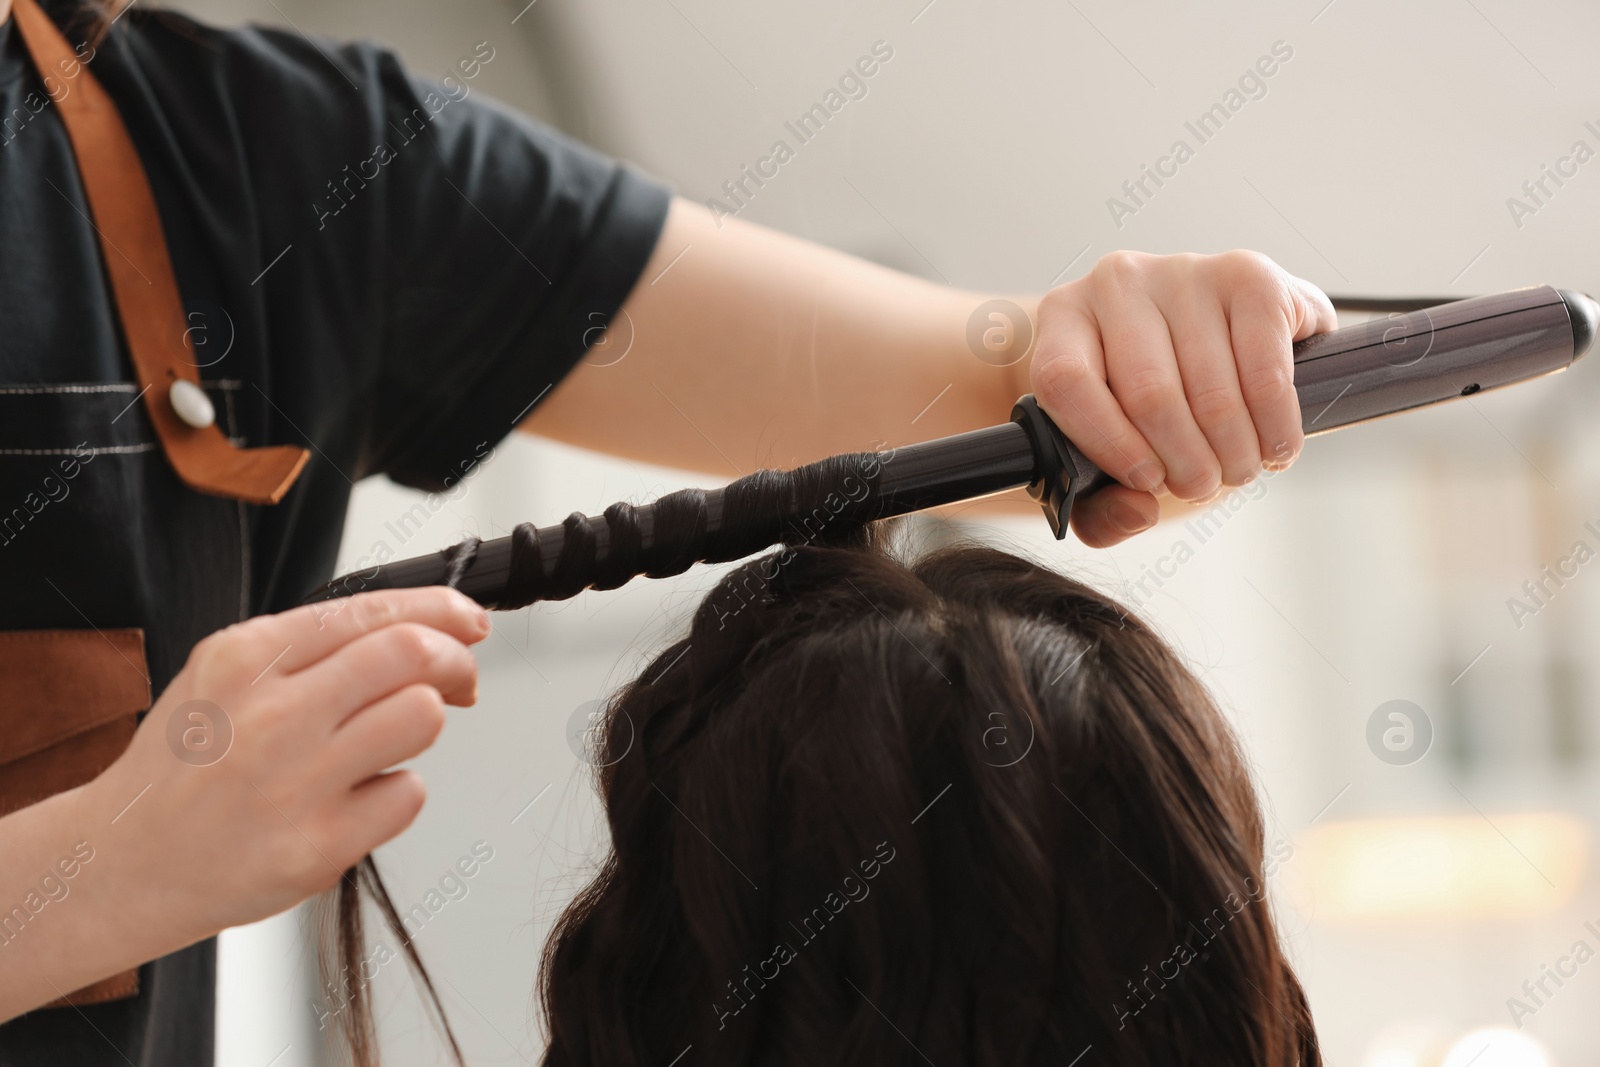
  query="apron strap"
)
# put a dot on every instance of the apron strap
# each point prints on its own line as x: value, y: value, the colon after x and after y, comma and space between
x: 134, y: 250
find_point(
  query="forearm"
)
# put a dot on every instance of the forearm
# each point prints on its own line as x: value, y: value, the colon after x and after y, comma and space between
x: 741, y: 348
x: 67, y: 916
x: 753, y: 348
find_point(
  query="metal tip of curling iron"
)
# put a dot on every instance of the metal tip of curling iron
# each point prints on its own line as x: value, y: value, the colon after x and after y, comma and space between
x: 1585, y: 315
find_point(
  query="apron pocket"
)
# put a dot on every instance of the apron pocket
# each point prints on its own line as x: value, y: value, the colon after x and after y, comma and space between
x: 69, y: 704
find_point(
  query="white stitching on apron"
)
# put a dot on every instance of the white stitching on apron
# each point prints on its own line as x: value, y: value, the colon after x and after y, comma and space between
x: 109, y: 450
x: 32, y: 390
x: 225, y: 384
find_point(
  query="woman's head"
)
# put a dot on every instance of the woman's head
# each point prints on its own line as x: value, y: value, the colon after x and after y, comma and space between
x: 962, y: 811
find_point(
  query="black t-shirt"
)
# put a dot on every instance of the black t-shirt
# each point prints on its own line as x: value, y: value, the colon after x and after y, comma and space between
x: 383, y: 269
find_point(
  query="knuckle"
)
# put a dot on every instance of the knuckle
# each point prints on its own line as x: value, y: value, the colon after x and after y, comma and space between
x: 1188, y: 262
x: 462, y: 607
x: 314, y: 872
x: 415, y: 643
x: 1120, y: 270
x: 1214, y: 403
x: 298, y: 862
x: 1061, y: 299
x: 1254, y: 279
x: 323, y: 614
x: 1177, y: 267
x: 1246, y: 265
x: 1057, y: 379
x: 453, y: 605
x: 373, y: 611
x: 1269, y: 382
x: 213, y: 645
x: 223, y: 653
x: 1145, y: 394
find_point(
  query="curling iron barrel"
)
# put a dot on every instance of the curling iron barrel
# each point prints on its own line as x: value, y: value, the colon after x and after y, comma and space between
x: 1347, y: 376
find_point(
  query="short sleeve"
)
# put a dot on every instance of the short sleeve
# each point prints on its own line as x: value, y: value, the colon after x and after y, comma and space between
x: 507, y: 249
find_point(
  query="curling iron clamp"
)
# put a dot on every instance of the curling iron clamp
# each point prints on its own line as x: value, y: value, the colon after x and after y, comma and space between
x: 1349, y: 375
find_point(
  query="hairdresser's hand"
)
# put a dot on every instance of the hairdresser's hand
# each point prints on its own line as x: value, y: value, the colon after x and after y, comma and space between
x: 321, y: 702
x: 1175, y: 374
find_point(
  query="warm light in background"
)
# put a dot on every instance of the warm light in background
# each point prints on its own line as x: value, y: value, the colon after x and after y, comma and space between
x: 1494, y: 1046
x: 1409, y: 1043
x: 1456, y: 867
x: 1426, y: 1043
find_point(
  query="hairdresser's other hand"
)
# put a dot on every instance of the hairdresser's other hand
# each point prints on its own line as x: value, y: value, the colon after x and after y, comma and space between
x: 1175, y: 374
x: 321, y: 702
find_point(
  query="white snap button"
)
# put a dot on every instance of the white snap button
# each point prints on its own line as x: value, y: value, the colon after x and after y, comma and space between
x: 191, y: 404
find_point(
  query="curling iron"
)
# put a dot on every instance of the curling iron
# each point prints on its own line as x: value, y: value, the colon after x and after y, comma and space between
x: 1349, y: 375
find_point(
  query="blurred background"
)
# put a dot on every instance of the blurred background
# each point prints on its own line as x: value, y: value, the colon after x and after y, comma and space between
x: 1441, y: 850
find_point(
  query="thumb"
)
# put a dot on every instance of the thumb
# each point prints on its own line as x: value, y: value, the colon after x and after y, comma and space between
x: 1312, y: 310
x: 1113, y: 514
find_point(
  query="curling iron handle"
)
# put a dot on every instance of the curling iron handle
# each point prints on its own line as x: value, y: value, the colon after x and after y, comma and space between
x: 1393, y: 364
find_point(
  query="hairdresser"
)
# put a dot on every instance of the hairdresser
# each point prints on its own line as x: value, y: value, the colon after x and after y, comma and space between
x: 243, y: 270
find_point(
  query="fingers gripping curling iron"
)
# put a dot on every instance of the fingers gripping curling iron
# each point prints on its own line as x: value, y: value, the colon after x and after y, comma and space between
x: 1347, y: 376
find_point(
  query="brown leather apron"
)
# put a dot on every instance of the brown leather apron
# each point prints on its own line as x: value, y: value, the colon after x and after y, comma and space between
x: 70, y: 698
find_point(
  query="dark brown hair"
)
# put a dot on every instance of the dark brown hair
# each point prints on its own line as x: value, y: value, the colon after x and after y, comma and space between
x: 964, y: 811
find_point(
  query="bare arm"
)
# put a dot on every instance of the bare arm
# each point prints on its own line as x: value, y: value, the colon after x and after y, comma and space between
x: 741, y: 347
x: 754, y: 348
